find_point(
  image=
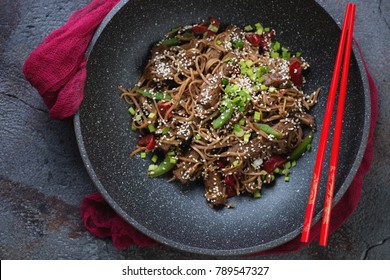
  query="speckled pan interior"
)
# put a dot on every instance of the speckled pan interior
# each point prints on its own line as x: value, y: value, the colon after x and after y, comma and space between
x: 178, y: 215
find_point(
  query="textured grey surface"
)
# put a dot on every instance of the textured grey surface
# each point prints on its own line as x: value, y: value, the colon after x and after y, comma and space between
x: 42, y: 177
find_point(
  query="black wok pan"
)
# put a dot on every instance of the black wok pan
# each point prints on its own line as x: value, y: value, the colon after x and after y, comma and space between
x: 178, y: 215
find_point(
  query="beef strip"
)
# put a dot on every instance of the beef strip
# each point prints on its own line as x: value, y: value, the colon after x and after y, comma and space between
x: 273, y: 79
x: 186, y: 170
x: 209, y: 93
x: 215, y: 190
x: 252, y: 150
x: 306, y: 119
x: 227, y: 68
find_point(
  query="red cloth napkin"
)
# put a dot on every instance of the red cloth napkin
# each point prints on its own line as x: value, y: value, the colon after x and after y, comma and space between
x: 56, y: 68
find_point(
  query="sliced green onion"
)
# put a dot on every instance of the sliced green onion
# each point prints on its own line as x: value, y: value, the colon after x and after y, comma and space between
x: 293, y: 163
x: 237, y: 99
x: 197, y: 137
x: 171, y: 153
x: 259, y: 28
x: 236, y: 163
x: 229, y: 89
x: 154, y: 158
x: 224, y: 81
x: 286, y: 171
x: 165, y: 131
x: 253, y: 77
x: 228, y: 60
x: 267, y: 29
x: 132, y: 111
x: 263, y: 87
x: 298, y: 54
x: 248, y: 28
x: 274, y: 54
x: 238, y: 131
x: 269, y: 130
x: 286, y: 55
x: 257, y: 116
x: 249, y: 62
x: 261, y: 79
x: 247, y: 137
x: 242, y: 64
x: 151, y: 128
x: 151, y: 115
x: 143, y: 154
x: 242, y: 121
x: 218, y: 42
x: 133, y: 127
x: 173, y: 160
x: 286, y: 179
x: 152, y: 167
x: 238, y: 44
x: 257, y: 194
x: 271, y: 89
x: 213, y: 28
x: 241, y: 109
x: 264, y: 69
x: 276, y: 46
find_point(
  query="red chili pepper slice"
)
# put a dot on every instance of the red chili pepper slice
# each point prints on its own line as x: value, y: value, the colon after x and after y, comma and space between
x: 254, y: 39
x: 163, y: 108
x: 295, y: 71
x: 229, y: 180
x: 273, y: 162
x: 239, y: 176
x: 210, y: 33
x: 214, y: 21
x: 200, y: 29
x: 147, y: 141
x: 229, y: 183
x: 221, y: 163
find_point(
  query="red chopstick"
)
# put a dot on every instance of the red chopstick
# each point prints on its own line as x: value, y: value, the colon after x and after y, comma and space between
x: 337, y: 135
x: 346, y: 28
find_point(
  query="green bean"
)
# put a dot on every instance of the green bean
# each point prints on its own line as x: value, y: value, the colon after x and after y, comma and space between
x: 269, y: 130
x: 171, y: 42
x: 302, y: 148
x: 154, y: 95
x: 223, y: 118
x: 167, y: 164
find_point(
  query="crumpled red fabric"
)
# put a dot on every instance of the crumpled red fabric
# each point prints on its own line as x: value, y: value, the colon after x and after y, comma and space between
x: 102, y: 221
x: 56, y: 68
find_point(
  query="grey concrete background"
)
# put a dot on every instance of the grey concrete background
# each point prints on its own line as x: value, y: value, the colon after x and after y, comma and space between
x: 42, y: 177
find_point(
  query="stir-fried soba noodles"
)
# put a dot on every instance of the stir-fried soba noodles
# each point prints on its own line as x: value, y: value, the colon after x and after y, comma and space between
x: 225, y: 106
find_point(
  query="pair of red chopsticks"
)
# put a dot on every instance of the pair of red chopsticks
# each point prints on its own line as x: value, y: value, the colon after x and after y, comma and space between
x: 344, y: 49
